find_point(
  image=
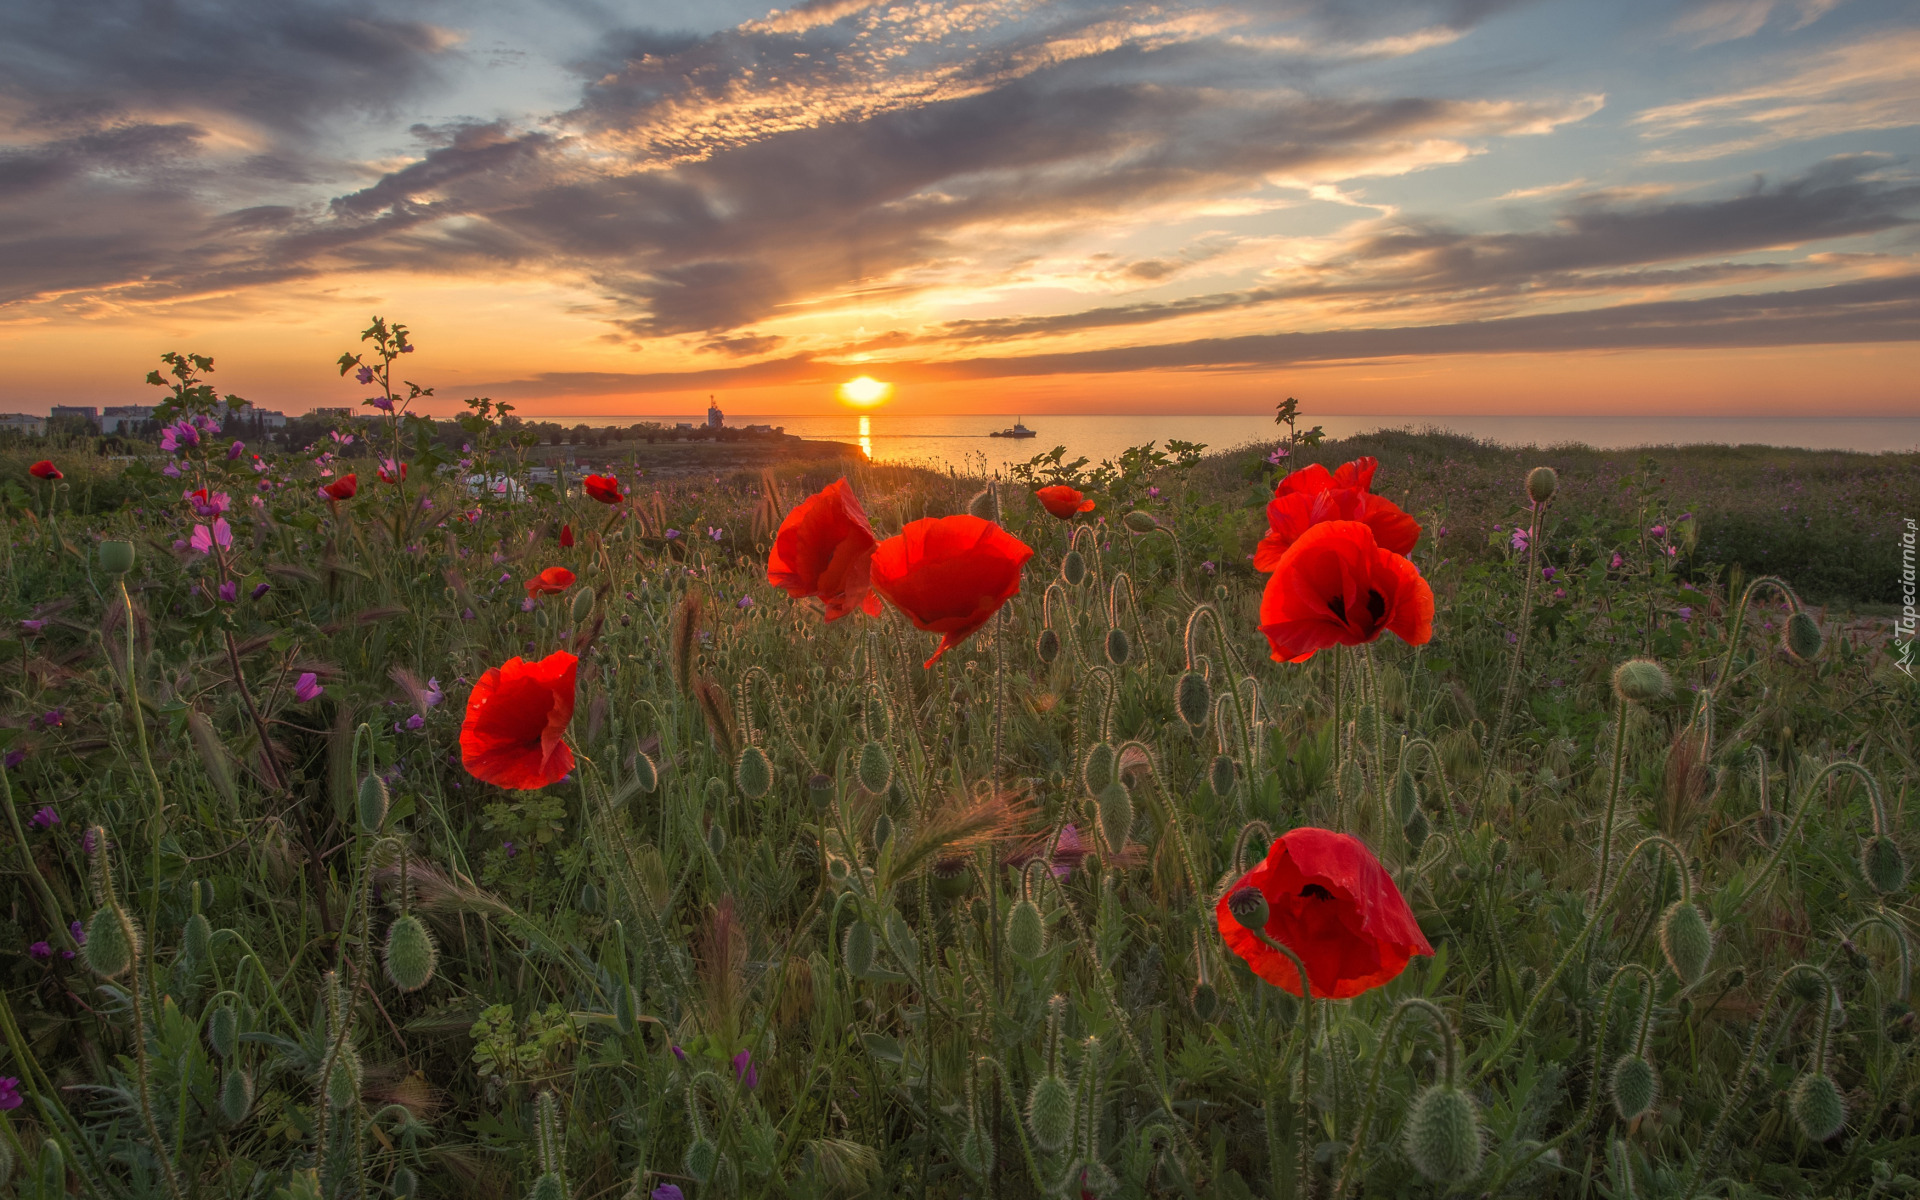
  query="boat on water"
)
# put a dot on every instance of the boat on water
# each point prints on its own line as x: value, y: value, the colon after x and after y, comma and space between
x: 1019, y: 430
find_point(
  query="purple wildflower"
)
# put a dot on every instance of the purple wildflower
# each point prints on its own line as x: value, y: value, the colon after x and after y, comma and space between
x: 744, y: 603
x: 1519, y: 539
x: 230, y: 591
x: 510, y: 848
x: 1616, y: 563
x: 33, y: 626
x: 678, y: 1053
x: 10, y: 1092
x: 433, y: 695
x: 46, y: 818
x: 363, y: 375
x: 743, y: 1069
x: 416, y: 721
x: 261, y: 589
x: 40, y: 950
x: 1547, y: 574
x: 667, y: 1191
x: 1658, y: 531
x: 1686, y: 612
x: 236, y: 450
x: 15, y: 758
x: 307, y: 689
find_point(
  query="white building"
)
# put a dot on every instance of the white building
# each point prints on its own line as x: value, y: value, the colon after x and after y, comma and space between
x: 715, y: 418
x: 24, y: 423
x: 125, y: 418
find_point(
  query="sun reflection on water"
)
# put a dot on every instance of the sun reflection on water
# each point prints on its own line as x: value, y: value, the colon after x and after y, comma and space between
x: 866, y: 437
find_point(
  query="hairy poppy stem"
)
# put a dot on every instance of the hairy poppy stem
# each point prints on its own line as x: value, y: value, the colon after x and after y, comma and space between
x: 1876, y: 803
x: 1740, y: 617
x: 1303, y: 1042
x: 1508, y: 693
x: 1645, y: 1023
x: 1615, y: 770
x: 1450, y: 1067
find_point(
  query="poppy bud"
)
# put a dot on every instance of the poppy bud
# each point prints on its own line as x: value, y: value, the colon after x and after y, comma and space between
x: 589, y: 898
x: 952, y: 878
x: 1443, y: 1134
x: 1501, y: 848
x: 701, y: 1158
x: 1097, y: 772
x: 196, y: 940
x: 1073, y: 568
x: 236, y: 1096
x: 1639, y: 680
x: 373, y: 802
x: 406, y: 1184
x: 1883, y: 864
x: 1193, y: 699
x: 1806, y: 987
x: 343, y: 1082
x: 53, y: 1168
x: 1417, y: 829
x: 582, y: 605
x: 1406, y: 795
x: 717, y: 839
x: 1026, y: 932
x: 752, y: 773
x: 980, y: 504
x: 976, y: 1151
x: 1686, y: 940
x: 1817, y: 1106
x: 820, y: 791
x: 1249, y: 907
x: 1046, y: 647
x: 1635, y: 1086
x: 1115, y: 805
x: 1804, y: 639
x: 410, y: 954
x: 109, y: 949
x: 1366, y: 726
x: 223, y: 1030
x: 1205, y: 1001
x: 1119, y: 647
x: 1050, y: 1112
x: 645, y: 774
x: 856, y: 949
x: 1220, y: 775
x: 882, y: 832
x: 1542, y: 482
x: 875, y: 770
x: 1141, y: 521
x: 116, y: 558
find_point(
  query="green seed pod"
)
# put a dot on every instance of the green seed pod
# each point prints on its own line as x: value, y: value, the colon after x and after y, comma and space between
x: 645, y: 773
x: 116, y: 558
x: 1026, y: 931
x: 1406, y: 795
x: 406, y: 1184
x: 716, y: 792
x: 196, y: 940
x: 1119, y: 646
x: 1141, y: 521
x: 1073, y: 568
x: 1817, y: 1106
x: 980, y: 504
x: 1115, y: 805
x: 1220, y: 774
x: 109, y: 950
x: 1249, y: 907
x: 590, y: 902
x: 1417, y: 829
x: 882, y: 832
x: 820, y: 791
x: 343, y: 1082
x: 1046, y: 647
x: 752, y: 773
x: 717, y: 839
x: 875, y: 770
x: 1883, y: 864
x: 549, y: 1186
x: 236, y: 1096
x: 1050, y: 1112
x: 410, y: 953
x: 223, y: 1029
x: 373, y: 803
x: 1205, y: 1001
x: 1097, y: 772
x: 952, y: 878
x: 1804, y: 639
x: 1442, y: 1139
x: 1542, y: 482
x: 1639, y: 680
x: 582, y: 606
x: 1193, y: 699
x: 857, y: 949
x: 1636, y: 1088
x: 701, y: 1158
x: 1686, y: 940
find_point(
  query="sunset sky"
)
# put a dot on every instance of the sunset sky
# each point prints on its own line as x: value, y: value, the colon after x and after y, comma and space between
x: 1378, y: 206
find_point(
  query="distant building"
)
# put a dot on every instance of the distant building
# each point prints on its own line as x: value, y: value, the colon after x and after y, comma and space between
x: 759, y: 429
x: 125, y: 418
x: 24, y: 424
x: 85, y: 412
x: 329, y: 414
x: 261, y: 418
x: 684, y: 425
x: 715, y: 418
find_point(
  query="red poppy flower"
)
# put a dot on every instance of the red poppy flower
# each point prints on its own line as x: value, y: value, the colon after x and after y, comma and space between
x: 1063, y: 501
x: 342, y: 488
x: 389, y: 475
x: 1331, y: 902
x: 1316, y: 478
x: 516, y: 718
x: 1291, y: 514
x: 44, y: 469
x: 604, y: 488
x: 566, y: 537
x: 1336, y: 585
x: 825, y: 548
x: 550, y: 582
x: 949, y: 575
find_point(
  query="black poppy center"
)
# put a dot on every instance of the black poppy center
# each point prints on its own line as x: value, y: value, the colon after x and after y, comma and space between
x: 1316, y: 891
x: 1376, y: 608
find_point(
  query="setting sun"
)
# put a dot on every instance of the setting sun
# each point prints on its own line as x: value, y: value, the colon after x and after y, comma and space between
x: 865, y: 392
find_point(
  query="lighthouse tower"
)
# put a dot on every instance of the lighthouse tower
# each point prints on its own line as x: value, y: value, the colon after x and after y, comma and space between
x: 715, y: 418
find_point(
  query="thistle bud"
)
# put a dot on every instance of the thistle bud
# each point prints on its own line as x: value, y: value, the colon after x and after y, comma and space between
x: 1119, y: 646
x: 1249, y: 907
x: 1803, y: 637
x: 1050, y: 1112
x: 236, y: 1096
x: 1817, y: 1106
x: 1046, y: 647
x: 109, y: 949
x: 1193, y: 699
x: 1115, y: 806
x: 875, y: 769
x: 116, y: 558
x: 1026, y: 931
x: 1883, y: 864
x: 952, y: 878
x: 752, y: 773
x: 373, y: 802
x: 645, y: 773
x: 1442, y: 1139
x: 856, y: 949
x: 1635, y: 1086
x: 1073, y: 568
x: 820, y: 791
x: 410, y: 954
x: 1097, y: 772
x: 1542, y: 482
x: 1686, y: 940
x: 1141, y: 521
x: 1639, y: 680
x: 1220, y: 775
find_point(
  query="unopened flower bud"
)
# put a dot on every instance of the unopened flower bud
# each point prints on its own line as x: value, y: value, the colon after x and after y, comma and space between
x: 1541, y: 484
x: 1639, y: 680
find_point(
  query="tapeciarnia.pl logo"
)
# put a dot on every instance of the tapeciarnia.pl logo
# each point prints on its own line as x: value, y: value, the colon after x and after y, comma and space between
x: 1904, y: 626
